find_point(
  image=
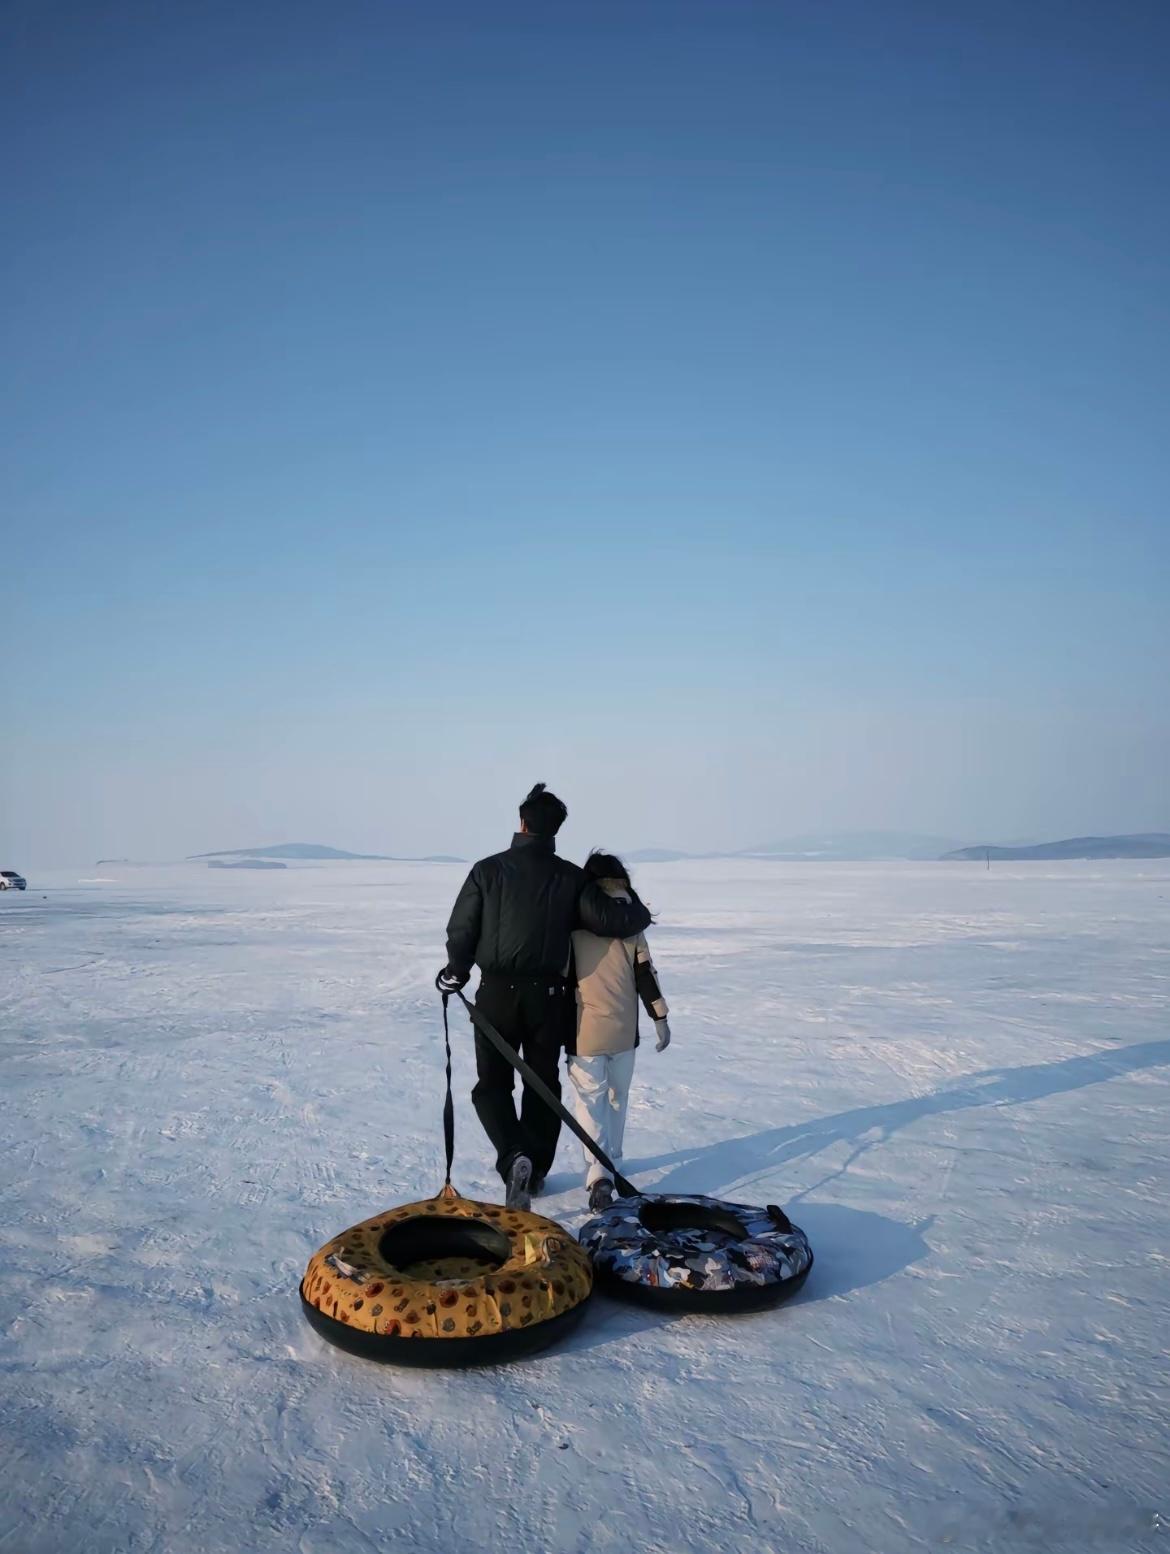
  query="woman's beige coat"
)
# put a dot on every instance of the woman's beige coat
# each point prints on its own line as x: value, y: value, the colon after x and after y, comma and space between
x: 612, y: 974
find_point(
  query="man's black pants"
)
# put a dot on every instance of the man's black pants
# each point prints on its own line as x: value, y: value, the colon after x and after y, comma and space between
x: 535, y: 1018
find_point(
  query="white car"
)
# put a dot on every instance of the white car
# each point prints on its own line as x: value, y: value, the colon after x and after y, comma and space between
x: 11, y: 880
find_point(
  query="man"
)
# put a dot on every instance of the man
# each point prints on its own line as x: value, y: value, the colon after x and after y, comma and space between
x: 514, y: 919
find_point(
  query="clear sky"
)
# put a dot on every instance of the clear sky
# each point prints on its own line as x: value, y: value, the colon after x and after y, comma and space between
x: 749, y: 418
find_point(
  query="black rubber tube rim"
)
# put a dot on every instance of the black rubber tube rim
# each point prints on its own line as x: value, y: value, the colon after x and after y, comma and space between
x: 661, y: 1215
x: 446, y: 1353
x: 427, y: 1237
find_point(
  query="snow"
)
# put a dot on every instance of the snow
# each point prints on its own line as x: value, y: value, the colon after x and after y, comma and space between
x: 955, y: 1080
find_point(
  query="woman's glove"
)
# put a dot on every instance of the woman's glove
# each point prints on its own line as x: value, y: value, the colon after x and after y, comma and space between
x: 662, y: 1031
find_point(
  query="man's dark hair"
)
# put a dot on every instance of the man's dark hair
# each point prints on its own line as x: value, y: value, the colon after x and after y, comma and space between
x: 542, y: 812
x: 605, y: 866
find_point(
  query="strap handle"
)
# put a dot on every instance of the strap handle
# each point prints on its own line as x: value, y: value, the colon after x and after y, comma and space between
x: 534, y: 1082
x: 448, y: 1104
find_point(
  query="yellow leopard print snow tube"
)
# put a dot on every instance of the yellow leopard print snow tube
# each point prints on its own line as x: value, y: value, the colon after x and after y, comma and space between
x: 448, y: 1282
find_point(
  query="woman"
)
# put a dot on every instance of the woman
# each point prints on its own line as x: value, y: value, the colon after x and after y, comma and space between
x: 612, y: 974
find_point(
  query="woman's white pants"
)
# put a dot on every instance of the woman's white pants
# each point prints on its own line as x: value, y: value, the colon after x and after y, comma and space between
x: 602, y: 1087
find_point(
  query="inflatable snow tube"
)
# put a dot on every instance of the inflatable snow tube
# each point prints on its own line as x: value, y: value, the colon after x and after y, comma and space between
x: 447, y: 1282
x: 696, y: 1254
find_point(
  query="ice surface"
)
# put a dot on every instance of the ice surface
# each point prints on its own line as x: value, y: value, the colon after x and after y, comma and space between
x: 955, y: 1080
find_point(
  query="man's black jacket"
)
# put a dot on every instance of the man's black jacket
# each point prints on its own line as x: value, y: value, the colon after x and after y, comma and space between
x: 517, y: 910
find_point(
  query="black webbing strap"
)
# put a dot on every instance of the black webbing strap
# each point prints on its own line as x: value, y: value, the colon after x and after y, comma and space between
x: 448, y: 1104
x: 534, y: 1082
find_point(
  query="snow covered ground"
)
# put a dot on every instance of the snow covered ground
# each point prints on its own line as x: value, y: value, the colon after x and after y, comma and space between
x: 956, y: 1080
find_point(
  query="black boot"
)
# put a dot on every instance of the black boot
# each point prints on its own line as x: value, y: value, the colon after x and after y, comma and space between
x: 518, y: 1193
x: 600, y: 1195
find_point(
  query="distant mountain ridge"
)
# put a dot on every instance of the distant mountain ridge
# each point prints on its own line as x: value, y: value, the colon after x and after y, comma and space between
x: 826, y: 847
x: 901, y: 846
x: 659, y: 855
x: 1146, y: 844
x: 314, y: 850
x: 854, y: 847
x: 246, y: 863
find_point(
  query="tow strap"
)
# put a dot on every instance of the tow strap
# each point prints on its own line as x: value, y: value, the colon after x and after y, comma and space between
x: 533, y: 1081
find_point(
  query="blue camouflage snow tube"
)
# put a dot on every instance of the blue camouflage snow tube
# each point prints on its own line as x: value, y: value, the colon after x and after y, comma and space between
x: 690, y: 1253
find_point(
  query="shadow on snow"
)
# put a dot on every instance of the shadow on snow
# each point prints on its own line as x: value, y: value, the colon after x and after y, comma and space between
x: 712, y: 1168
x: 856, y: 1248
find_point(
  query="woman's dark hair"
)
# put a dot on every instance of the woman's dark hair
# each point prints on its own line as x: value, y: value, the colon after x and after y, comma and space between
x: 604, y: 866
x: 607, y: 866
x: 542, y: 812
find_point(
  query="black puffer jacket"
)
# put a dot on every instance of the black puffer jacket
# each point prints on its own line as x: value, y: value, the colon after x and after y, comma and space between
x: 517, y: 910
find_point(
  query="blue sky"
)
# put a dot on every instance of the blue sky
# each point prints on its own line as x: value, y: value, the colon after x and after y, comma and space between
x: 749, y: 418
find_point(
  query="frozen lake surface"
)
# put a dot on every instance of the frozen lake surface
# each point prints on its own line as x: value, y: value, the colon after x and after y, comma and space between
x: 956, y: 1081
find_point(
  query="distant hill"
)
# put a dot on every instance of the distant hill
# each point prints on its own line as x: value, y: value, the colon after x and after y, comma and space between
x: 246, y: 863
x: 655, y: 855
x: 314, y: 850
x: 828, y: 847
x: 853, y: 847
x: 1150, y: 844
